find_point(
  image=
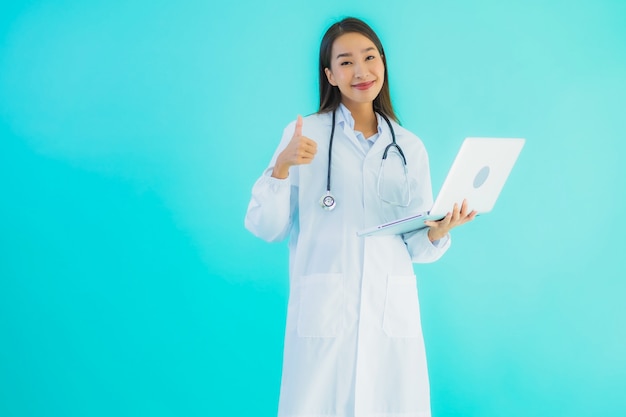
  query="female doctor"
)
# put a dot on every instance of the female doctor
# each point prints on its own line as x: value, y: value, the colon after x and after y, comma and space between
x: 353, y: 339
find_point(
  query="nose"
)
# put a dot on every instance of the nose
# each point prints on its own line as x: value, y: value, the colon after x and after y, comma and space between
x: 360, y: 71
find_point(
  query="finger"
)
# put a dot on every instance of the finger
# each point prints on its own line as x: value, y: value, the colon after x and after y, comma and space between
x: 439, y: 223
x: 464, y: 208
x: 305, y: 159
x: 298, y: 131
x: 305, y: 156
x: 467, y: 218
x: 455, y: 212
x: 306, y: 149
x: 304, y: 153
x: 446, y: 220
x: 313, y: 144
x: 308, y: 144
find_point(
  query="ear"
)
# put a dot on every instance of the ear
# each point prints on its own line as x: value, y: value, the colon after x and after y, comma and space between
x: 329, y: 77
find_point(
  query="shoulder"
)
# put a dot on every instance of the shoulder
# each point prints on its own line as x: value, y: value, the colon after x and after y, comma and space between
x: 318, y: 119
x: 314, y: 126
x: 407, y: 137
x: 311, y: 121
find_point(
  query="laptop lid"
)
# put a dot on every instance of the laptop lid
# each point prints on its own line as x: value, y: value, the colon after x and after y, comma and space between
x: 478, y: 174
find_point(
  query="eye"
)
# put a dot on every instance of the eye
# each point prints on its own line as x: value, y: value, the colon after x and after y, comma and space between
x: 370, y: 57
x: 344, y: 63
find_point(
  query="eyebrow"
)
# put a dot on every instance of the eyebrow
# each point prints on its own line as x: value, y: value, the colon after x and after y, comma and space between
x: 347, y: 54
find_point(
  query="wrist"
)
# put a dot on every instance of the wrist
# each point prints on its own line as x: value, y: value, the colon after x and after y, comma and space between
x: 433, y: 236
x: 280, y: 171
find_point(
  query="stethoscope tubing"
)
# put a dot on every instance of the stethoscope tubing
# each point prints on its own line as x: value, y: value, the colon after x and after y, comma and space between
x: 328, y: 201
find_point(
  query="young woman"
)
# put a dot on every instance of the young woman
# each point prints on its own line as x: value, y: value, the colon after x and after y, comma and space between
x: 353, y: 340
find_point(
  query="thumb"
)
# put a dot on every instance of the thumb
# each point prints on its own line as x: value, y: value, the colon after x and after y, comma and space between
x: 298, y: 131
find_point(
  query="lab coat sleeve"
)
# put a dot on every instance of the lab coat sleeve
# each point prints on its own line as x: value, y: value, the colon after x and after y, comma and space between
x: 421, y: 249
x: 272, y: 205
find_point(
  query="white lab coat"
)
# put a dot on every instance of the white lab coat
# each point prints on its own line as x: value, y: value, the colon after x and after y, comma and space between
x: 353, y: 339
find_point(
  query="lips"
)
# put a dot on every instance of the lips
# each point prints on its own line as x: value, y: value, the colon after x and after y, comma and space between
x: 363, y: 86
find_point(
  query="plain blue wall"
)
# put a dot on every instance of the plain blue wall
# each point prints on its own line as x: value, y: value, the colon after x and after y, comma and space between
x: 132, y: 132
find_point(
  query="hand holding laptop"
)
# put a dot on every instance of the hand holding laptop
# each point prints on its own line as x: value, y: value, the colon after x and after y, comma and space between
x: 457, y: 217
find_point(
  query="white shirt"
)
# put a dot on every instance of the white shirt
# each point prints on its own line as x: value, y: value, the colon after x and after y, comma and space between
x: 366, y: 143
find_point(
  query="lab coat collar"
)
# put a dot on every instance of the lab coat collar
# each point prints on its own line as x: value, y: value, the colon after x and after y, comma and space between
x: 347, y: 119
x: 346, y: 122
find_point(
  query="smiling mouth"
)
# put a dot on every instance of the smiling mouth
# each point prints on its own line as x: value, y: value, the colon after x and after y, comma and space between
x: 364, y: 86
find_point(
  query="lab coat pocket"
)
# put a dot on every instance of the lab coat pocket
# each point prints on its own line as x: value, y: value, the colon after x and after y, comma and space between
x: 401, y: 317
x: 320, y: 305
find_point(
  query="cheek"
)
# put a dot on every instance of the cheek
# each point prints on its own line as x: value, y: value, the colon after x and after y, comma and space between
x: 380, y: 69
x: 341, y: 75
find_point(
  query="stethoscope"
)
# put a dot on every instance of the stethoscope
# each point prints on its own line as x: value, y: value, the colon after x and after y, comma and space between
x: 328, y: 200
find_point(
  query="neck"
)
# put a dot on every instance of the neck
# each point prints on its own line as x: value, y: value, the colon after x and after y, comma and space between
x: 364, y: 117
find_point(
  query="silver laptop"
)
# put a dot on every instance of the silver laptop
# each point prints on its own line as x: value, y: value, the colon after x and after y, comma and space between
x: 478, y: 174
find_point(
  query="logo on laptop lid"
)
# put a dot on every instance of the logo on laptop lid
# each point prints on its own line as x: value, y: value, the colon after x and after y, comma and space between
x: 481, y: 177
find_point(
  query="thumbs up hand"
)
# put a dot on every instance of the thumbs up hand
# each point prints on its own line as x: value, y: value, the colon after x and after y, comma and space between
x: 300, y: 150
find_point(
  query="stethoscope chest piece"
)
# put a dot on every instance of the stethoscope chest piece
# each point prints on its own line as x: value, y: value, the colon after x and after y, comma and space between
x: 327, y: 201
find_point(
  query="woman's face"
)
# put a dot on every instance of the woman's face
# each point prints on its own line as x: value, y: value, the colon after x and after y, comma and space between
x: 356, y: 68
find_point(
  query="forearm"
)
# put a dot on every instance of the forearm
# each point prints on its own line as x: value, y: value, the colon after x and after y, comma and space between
x: 269, y: 211
x: 424, y: 250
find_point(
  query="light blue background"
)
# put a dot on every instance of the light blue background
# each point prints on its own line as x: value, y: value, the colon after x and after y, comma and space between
x: 132, y: 132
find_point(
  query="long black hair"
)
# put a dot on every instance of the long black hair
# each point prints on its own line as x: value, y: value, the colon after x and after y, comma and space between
x: 330, y: 96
